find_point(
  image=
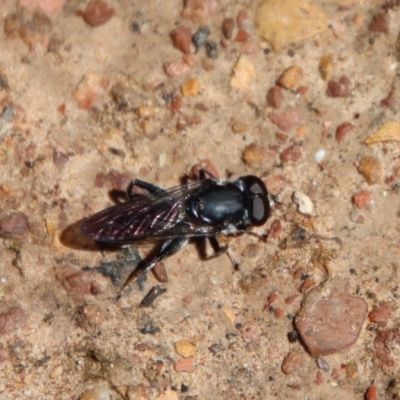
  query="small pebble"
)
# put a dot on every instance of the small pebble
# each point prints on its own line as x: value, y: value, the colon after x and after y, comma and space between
x: 362, y: 199
x: 339, y: 88
x: 191, y: 87
x: 212, y: 50
x: 242, y: 35
x: 252, y: 250
x: 92, y: 86
x: 200, y: 37
x: 342, y: 130
x: 330, y: 319
x: 286, y: 120
x: 372, y: 393
x: 320, y: 156
x: 292, y: 362
x: 292, y: 153
x: 243, y: 74
x: 371, y: 169
x: 275, y: 97
x: 253, y: 154
x: 184, y: 365
x: 290, y: 77
x: 325, y: 68
x: 176, y: 68
x: 182, y: 39
x: 381, y: 313
x: 227, y: 27
x: 185, y: 349
x: 97, y: 13
x: 323, y: 364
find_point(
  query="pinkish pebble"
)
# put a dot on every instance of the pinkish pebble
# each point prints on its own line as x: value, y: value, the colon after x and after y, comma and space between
x: 285, y: 120
x: 200, y: 10
x: 97, y: 12
x: 176, y: 68
x: 184, y: 365
x: 362, y: 198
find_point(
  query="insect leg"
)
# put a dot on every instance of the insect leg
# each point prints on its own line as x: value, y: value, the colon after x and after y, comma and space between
x: 167, y: 248
x: 148, y: 187
x: 218, y: 250
x: 204, y: 172
x: 215, y: 245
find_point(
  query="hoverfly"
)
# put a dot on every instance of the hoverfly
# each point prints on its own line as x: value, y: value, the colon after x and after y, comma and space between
x: 204, y: 208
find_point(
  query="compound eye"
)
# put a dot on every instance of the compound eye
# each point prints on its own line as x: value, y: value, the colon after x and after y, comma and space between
x: 259, y: 204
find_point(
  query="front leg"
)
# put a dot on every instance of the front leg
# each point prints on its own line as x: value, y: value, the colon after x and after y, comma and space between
x: 218, y: 250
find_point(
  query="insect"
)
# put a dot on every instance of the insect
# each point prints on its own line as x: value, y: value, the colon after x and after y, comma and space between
x: 204, y: 208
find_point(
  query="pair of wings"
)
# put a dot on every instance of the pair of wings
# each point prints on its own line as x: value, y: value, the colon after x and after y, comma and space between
x: 155, y: 216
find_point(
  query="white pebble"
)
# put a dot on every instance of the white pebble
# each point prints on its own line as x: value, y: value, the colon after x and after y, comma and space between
x: 305, y: 205
x: 320, y: 155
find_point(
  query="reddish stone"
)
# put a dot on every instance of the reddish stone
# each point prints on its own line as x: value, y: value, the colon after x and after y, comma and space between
x: 339, y: 88
x: 242, y: 35
x: 343, y: 129
x: 379, y: 23
x: 227, y: 27
x: 362, y: 199
x: 97, y: 13
x: 372, y: 393
x: 286, y: 120
x: 381, y: 313
x: 279, y: 313
x: 292, y: 153
x: 182, y: 39
x: 319, y: 379
x: 275, y: 97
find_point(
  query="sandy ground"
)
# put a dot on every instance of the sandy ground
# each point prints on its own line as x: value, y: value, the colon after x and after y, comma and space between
x: 87, y: 106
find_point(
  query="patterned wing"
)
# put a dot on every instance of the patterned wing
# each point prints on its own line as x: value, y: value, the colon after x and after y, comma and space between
x: 158, y: 216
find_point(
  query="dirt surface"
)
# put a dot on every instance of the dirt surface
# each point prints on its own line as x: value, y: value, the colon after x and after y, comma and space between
x: 94, y: 95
